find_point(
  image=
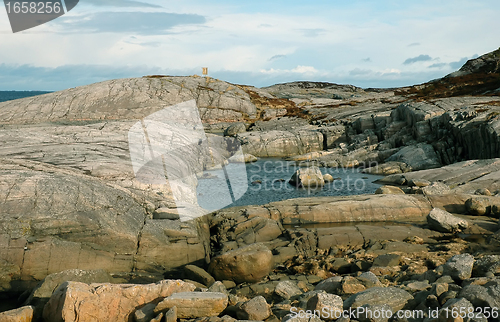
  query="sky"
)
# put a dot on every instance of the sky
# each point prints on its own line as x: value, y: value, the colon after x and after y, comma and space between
x: 381, y: 43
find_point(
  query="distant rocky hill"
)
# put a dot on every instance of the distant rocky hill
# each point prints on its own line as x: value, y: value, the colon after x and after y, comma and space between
x: 479, y: 76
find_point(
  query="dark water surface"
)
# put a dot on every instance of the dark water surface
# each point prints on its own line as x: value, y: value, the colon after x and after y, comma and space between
x: 267, y: 181
x: 14, y: 95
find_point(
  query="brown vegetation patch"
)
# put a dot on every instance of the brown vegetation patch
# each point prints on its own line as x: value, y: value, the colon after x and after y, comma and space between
x: 262, y: 103
x: 472, y: 84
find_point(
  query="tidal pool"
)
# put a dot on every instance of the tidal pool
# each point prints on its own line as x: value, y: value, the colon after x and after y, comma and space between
x: 267, y: 181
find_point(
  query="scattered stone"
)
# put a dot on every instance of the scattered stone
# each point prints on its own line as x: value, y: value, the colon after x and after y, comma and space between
x: 191, y: 305
x: 246, y: 264
x: 329, y: 305
x: 459, y: 267
x: 341, y: 265
x: 287, y: 289
x: 198, y: 274
x: 369, y: 279
x: 22, y: 314
x: 330, y: 285
x: 396, y: 298
x: 486, y: 264
x: 439, y: 288
x: 229, y: 284
x: 255, y: 309
x: 351, y: 285
x: 387, y: 260
x: 389, y: 190
x: 417, y: 286
x: 443, y: 221
x: 310, y: 177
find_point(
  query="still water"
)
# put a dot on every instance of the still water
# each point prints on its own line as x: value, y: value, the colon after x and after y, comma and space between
x: 267, y: 180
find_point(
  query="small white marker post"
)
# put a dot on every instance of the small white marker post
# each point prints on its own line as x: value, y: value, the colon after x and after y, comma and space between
x: 205, y: 71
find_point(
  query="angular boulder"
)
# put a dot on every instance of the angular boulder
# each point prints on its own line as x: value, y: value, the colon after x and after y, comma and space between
x: 191, y: 305
x: 75, y: 301
x: 459, y: 267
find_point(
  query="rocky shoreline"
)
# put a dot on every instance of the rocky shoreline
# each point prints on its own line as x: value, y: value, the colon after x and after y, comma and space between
x: 81, y: 239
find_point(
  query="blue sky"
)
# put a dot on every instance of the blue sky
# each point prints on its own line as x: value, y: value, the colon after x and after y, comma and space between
x: 364, y: 43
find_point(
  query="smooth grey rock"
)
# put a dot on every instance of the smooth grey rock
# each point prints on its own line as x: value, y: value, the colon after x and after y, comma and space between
x: 436, y: 188
x: 445, y: 222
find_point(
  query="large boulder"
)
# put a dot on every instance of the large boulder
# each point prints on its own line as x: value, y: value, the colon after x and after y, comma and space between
x: 478, y: 206
x: 247, y: 264
x: 307, y: 177
x: 445, y: 222
x: 75, y: 301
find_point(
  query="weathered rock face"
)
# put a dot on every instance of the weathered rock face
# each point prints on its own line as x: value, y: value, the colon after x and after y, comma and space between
x: 75, y: 301
x: 276, y: 143
x: 246, y: 264
x: 133, y: 98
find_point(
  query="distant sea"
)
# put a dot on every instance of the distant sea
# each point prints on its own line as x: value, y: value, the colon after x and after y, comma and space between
x: 14, y: 95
